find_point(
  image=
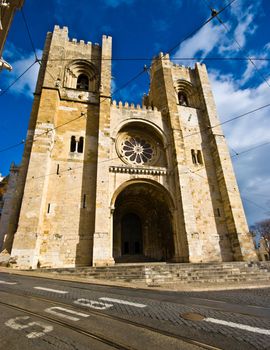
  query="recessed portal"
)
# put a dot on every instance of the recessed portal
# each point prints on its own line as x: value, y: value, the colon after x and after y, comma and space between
x: 131, y: 234
x: 142, y: 224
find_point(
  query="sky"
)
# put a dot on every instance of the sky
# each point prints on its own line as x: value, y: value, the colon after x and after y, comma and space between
x: 141, y: 29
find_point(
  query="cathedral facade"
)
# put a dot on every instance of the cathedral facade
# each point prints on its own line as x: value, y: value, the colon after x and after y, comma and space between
x: 104, y: 182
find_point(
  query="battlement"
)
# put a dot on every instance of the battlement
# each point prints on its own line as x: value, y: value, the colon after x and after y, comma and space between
x: 132, y: 107
x: 62, y: 33
x: 165, y: 58
x: 83, y: 43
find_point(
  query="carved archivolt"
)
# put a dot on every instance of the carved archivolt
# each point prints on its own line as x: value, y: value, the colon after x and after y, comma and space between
x: 81, y: 67
x: 186, y: 93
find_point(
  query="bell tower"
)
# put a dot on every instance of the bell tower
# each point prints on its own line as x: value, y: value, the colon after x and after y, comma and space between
x: 59, y: 168
x: 211, y: 220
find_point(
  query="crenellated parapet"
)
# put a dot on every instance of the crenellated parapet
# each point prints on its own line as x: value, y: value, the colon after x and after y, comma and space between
x: 132, y: 106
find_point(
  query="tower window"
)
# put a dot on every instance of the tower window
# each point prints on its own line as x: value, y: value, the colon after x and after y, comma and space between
x: 196, y: 157
x: 199, y: 157
x: 83, y: 82
x: 182, y: 98
x: 80, y: 145
x: 84, y: 201
x: 73, y: 144
x: 193, y: 156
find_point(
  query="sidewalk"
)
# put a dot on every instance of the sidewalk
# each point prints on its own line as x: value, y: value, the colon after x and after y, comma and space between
x: 181, y: 287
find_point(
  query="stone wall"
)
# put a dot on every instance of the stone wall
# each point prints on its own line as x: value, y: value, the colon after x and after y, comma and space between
x: 165, y: 162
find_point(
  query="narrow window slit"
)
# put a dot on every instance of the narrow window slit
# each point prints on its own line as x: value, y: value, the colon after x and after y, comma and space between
x: 193, y: 155
x: 80, y: 145
x: 84, y: 201
x: 49, y: 207
x: 57, y: 169
x: 218, y: 212
x: 199, y: 157
x: 73, y: 144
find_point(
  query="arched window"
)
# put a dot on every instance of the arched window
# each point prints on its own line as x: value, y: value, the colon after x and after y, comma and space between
x: 193, y: 156
x: 80, y: 145
x: 182, y: 98
x: 73, y: 144
x: 83, y: 82
x: 199, y: 157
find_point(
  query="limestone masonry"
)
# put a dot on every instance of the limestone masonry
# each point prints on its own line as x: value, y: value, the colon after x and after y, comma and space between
x: 104, y: 182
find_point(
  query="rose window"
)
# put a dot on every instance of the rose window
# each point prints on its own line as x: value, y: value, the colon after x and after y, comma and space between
x: 137, y: 150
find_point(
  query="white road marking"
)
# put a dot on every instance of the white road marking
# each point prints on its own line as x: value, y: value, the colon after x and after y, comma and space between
x: 52, y: 311
x: 12, y: 323
x: 240, y: 326
x: 5, y: 282
x: 93, y: 304
x: 125, y: 302
x: 52, y: 290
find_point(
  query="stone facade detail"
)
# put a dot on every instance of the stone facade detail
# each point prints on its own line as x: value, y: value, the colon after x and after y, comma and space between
x: 104, y: 182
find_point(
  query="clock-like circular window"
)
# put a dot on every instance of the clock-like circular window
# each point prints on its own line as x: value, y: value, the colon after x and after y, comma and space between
x: 137, y: 149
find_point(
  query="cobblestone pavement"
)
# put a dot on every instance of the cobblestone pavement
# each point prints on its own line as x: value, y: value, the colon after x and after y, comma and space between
x: 166, y: 310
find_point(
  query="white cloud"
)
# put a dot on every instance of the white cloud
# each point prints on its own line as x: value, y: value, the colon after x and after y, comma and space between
x: 252, y: 169
x: 20, y: 62
x: 232, y: 101
x: 202, y: 43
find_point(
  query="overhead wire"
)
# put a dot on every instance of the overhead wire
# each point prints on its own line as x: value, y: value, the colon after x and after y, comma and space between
x: 247, y: 199
x: 216, y: 15
x: 18, y: 78
x: 140, y: 73
x: 203, y: 58
x: 133, y: 78
x: 29, y: 34
x: 251, y: 149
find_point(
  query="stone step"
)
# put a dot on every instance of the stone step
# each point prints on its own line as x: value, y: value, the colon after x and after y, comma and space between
x: 173, y: 273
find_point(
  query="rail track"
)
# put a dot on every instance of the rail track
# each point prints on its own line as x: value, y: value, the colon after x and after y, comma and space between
x: 94, y: 335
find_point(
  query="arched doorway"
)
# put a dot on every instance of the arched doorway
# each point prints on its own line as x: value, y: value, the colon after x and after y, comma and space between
x: 142, y: 225
x: 131, y: 234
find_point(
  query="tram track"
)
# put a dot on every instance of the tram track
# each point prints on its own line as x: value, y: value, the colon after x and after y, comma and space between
x: 100, y: 337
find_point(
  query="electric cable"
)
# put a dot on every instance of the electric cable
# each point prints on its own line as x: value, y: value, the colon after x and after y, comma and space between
x: 229, y: 120
x: 216, y: 15
x: 29, y: 34
x: 254, y: 203
x: 145, y: 69
x: 251, y: 149
x: 204, y: 58
x: 19, y: 77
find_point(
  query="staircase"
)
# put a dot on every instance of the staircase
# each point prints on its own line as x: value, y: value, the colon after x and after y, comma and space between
x: 160, y: 273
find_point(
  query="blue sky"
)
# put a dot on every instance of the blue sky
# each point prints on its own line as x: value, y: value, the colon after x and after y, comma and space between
x: 141, y: 29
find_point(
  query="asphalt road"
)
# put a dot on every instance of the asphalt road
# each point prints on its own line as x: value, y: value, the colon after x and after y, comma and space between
x: 38, y: 313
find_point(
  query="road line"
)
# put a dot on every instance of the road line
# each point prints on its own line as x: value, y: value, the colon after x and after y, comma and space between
x: 52, y: 311
x: 240, y: 326
x: 98, y: 305
x: 52, y: 290
x: 125, y: 302
x: 5, y: 282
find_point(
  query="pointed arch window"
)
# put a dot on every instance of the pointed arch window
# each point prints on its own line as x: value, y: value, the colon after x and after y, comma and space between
x: 83, y: 82
x: 182, y: 98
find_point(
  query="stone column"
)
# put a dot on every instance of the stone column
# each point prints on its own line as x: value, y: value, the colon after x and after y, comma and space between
x: 27, y: 238
x: 187, y: 246
x: 241, y: 241
x: 103, y: 242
